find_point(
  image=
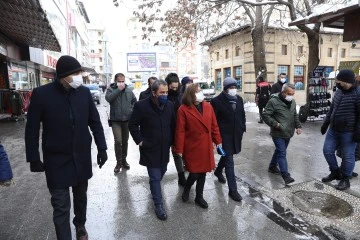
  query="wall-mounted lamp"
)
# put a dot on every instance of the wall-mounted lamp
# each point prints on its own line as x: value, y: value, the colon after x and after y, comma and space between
x: 353, y: 44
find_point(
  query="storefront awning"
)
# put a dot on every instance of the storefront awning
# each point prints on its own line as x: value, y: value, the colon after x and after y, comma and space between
x: 25, y: 22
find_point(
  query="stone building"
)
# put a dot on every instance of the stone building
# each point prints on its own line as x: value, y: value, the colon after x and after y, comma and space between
x: 286, y: 50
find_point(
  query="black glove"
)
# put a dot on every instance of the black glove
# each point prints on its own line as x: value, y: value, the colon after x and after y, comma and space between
x: 324, y: 128
x: 37, y: 166
x: 356, y: 137
x: 101, y: 158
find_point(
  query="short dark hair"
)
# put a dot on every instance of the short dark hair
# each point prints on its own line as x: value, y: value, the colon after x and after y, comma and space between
x: 155, y: 86
x: 118, y: 75
x: 172, y: 77
x: 151, y: 78
x: 189, y: 97
x: 282, y: 74
x: 261, y: 78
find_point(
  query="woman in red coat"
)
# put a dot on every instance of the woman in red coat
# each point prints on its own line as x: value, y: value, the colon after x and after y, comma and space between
x: 196, y: 130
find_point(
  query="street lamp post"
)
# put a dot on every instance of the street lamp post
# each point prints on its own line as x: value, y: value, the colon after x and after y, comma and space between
x: 106, y: 68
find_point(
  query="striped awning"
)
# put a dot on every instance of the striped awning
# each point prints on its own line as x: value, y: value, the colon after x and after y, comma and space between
x: 24, y: 22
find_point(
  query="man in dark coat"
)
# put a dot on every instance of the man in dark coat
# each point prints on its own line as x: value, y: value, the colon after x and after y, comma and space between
x: 230, y: 115
x: 344, y: 130
x: 173, y: 82
x: 66, y: 110
x: 277, y: 87
x: 147, y: 92
x: 263, y: 90
x: 152, y: 127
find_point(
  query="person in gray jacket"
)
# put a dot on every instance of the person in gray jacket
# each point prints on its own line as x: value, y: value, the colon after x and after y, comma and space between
x: 121, y: 101
x: 280, y: 114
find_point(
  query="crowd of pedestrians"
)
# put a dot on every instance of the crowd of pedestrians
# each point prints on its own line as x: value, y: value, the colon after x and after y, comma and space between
x: 170, y: 115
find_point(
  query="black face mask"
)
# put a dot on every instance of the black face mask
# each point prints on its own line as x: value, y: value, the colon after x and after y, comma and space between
x: 173, y: 93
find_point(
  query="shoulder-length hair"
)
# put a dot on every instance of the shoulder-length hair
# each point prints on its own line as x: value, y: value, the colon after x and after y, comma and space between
x: 189, y: 97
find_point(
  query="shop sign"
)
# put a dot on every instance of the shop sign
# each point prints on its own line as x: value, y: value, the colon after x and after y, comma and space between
x: 51, y: 61
x: 353, y: 65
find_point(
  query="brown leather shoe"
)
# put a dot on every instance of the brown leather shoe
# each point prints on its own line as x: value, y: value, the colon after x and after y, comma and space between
x: 81, y: 233
x: 117, y: 167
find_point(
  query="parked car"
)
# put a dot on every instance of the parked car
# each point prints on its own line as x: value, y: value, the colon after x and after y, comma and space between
x: 95, y: 92
x: 208, y: 91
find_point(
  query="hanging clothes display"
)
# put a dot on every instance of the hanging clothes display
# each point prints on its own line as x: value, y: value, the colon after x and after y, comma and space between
x: 14, y: 102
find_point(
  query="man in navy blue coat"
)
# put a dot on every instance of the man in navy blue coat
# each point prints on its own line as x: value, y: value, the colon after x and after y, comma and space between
x: 66, y: 111
x: 152, y: 126
x: 230, y: 115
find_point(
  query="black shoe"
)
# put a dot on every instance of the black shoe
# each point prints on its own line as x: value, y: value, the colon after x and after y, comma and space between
x: 274, y: 170
x: 354, y: 174
x: 343, y: 184
x: 220, y: 176
x: 288, y: 179
x: 200, y: 201
x: 182, y: 179
x: 125, y: 165
x: 235, y: 196
x: 117, y: 167
x: 81, y: 233
x: 160, y: 212
x: 185, y: 195
x: 334, y: 175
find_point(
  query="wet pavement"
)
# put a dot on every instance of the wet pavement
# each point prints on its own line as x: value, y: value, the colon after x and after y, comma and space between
x: 120, y: 205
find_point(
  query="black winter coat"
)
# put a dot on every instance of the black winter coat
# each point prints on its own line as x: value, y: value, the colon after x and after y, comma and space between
x: 232, y: 124
x: 277, y: 87
x: 66, y: 141
x: 155, y: 128
x: 145, y: 94
x: 344, y: 111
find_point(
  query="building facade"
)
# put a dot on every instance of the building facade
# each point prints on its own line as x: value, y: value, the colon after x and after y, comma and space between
x: 286, y: 51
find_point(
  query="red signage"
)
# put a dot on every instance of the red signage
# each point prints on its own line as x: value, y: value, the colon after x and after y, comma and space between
x: 51, y: 62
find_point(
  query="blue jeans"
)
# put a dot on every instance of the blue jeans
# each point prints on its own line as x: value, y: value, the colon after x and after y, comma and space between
x: 343, y: 140
x: 279, y: 156
x: 227, y: 162
x: 155, y: 176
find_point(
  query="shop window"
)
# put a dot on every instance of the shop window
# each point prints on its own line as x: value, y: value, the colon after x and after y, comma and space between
x: 226, y: 53
x: 283, y: 49
x: 238, y: 77
x: 299, y: 77
x: 343, y: 52
x: 329, y: 52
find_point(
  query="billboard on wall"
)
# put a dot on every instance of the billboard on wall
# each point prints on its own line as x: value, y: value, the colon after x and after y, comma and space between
x: 141, y: 62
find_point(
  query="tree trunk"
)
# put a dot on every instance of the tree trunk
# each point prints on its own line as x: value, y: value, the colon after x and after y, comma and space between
x: 313, y: 59
x: 257, y: 36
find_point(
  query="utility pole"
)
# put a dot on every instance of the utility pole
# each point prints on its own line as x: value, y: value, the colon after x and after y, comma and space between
x: 106, y: 68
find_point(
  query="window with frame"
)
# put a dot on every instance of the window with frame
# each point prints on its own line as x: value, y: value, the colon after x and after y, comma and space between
x: 226, y: 53
x: 300, y: 50
x: 217, y: 56
x: 343, y: 52
x: 283, y: 49
x: 100, y: 50
x: 100, y: 59
x: 284, y: 69
x: 299, y: 77
x: 329, y: 52
x: 237, y: 73
x: 237, y: 51
x: 92, y: 51
x: 218, y: 84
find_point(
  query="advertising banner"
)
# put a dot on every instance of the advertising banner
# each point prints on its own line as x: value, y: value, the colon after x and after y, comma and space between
x: 141, y: 62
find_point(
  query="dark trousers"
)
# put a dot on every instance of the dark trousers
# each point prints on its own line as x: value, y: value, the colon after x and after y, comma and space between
x: 60, y: 200
x: 261, y: 108
x: 155, y: 177
x: 200, y: 182
x: 121, y: 138
x: 179, y: 164
x: 279, y: 156
x: 227, y: 162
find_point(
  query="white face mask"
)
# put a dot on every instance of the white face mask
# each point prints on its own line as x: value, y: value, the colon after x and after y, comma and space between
x: 199, y: 96
x: 283, y: 80
x: 232, y: 92
x: 289, y: 98
x: 77, y: 81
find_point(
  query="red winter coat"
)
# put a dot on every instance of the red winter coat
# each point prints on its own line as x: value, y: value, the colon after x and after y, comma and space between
x: 194, y: 137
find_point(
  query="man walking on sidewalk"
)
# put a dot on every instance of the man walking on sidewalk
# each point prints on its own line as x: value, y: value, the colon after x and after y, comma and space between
x: 152, y: 127
x: 344, y: 131
x: 122, y: 101
x: 66, y: 110
x: 280, y: 114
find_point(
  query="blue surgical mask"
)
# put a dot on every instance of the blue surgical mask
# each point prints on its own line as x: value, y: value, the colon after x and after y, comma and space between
x: 162, y: 99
